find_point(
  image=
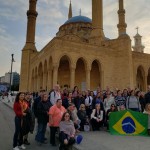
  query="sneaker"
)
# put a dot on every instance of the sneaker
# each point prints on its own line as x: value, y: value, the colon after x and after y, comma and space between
x: 45, y: 139
x: 22, y: 147
x: 16, y: 148
x: 44, y: 142
x: 54, y: 145
x: 60, y: 147
x: 39, y: 143
x: 26, y: 142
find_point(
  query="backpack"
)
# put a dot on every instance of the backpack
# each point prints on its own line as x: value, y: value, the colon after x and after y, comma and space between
x: 49, y: 97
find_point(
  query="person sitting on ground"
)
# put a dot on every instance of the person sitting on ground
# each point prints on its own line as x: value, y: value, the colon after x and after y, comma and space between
x: 112, y: 109
x: 97, y: 117
x: 147, y: 111
x: 67, y: 132
x: 82, y: 116
x: 74, y: 117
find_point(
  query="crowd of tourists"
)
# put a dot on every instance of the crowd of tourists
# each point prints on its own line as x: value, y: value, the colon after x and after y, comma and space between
x: 69, y: 112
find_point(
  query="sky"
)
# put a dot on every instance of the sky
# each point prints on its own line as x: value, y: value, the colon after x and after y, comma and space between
x: 53, y: 13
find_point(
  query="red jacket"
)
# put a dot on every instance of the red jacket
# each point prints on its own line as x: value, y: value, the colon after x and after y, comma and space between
x: 18, y: 109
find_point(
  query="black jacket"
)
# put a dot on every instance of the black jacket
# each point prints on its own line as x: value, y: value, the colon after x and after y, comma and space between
x: 42, y: 111
x: 147, y: 97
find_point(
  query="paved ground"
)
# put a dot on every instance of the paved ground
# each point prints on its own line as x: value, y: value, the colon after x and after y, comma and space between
x: 102, y: 140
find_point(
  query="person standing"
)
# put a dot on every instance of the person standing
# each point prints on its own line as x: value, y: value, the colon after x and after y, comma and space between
x: 88, y: 104
x: 55, y: 94
x: 147, y: 96
x: 108, y: 101
x: 42, y: 119
x: 55, y: 114
x: 19, y: 108
x: 120, y: 100
x: 36, y: 102
x: 133, y: 102
x: 28, y: 120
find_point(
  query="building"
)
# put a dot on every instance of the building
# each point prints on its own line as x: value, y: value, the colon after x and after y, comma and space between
x: 7, y: 78
x: 15, y: 78
x: 81, y: 55
x: 2, y: 79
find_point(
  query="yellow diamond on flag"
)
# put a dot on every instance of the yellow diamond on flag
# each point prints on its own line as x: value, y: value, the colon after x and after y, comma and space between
x: 128, y: 125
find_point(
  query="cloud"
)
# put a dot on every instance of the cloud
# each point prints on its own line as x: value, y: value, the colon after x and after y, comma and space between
x: 53, y: 13
x: 13, y: 10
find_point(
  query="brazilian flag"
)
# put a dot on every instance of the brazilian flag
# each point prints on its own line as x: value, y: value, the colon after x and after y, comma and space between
x: 128, y: 122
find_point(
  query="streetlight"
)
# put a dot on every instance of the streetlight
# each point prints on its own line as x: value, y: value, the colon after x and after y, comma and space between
x: 12, y: 60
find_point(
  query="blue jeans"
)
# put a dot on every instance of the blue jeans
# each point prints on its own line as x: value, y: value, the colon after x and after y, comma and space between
x: 40, y: 136
x: 18, y: 136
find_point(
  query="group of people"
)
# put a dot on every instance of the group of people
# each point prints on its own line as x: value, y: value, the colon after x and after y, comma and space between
x: 69, y: 112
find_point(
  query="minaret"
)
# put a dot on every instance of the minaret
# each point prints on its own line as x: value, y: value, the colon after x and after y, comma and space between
x: 138, y: 47
x: 29, y: 47
x: 97, y: 19
x: 70, y: 11
x: 31, y: 24
x: 121, y: 15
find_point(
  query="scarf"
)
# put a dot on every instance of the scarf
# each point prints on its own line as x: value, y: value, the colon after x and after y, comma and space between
x: 67, y: 127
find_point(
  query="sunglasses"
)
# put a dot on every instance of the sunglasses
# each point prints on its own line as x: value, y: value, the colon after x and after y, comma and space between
x: 67, y: 116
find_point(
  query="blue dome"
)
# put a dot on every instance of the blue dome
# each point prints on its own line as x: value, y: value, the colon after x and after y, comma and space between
x: 78, y: 19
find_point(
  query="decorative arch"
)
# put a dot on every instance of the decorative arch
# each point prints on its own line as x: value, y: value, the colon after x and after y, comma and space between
x: 140, y: 78
x: 32, y: 80
x: 95, y: 76
x: 80, y: 73
x: 50, y: 74
x: 84, y: 61
x: 45, y: 75
x: 65, y: 55
x: 36, y: 80
x: 50, y: 63
x: 148, y: 77
x: 45, y: 66
x: 64, y: 71
x: 40, y: 76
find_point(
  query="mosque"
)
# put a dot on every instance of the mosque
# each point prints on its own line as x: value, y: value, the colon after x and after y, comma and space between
x: 81, y: 55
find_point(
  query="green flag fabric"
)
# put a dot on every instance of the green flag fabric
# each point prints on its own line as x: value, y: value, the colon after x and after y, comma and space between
x: 128, y: 122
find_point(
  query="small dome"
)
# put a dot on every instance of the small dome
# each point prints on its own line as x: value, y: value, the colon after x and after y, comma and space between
x: 78, y: 19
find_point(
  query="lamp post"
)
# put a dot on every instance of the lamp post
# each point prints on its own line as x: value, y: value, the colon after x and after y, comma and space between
x: 12, y: 60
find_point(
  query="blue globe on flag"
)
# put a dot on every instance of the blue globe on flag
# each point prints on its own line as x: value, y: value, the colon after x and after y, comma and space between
x: 128, y: 125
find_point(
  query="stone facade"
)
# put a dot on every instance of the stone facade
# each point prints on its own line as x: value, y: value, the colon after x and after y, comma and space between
x: 81, y: 55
